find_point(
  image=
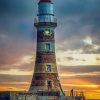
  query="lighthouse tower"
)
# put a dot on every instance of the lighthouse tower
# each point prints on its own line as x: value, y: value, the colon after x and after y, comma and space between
x: 45, y: 77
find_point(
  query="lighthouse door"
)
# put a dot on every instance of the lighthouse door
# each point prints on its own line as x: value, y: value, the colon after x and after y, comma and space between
x: 49, y: 84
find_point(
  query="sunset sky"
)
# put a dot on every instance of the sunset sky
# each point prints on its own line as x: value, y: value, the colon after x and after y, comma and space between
x: 77, y: 44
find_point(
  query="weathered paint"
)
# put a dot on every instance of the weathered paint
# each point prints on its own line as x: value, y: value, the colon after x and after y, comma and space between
x: 45, y: 76
x: 41, y: 68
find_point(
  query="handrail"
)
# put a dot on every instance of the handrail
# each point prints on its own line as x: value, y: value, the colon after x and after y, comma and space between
x: 36, y: 20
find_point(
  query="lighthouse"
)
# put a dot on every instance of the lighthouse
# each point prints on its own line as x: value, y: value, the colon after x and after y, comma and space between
x: 45, y: 77
x: 45, y: 84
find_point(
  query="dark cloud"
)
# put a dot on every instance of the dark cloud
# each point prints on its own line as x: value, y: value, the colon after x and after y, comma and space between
x: 14, y: 81
x: 70, y: 58
x: 91, y: 79
x: 80, y: 69
x: 16, y: 19
x: 24, y: 67
x: 15, y: 78
x: 17, y: 7
x: 97, y: 58
x: 12, y: 52
x: 88, y: 49
x: 78, y: 19
x: 71, y: 7
x: 16, y: 31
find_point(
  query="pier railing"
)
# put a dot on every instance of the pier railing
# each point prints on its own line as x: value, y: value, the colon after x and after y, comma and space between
x: 74, y: 93
x: 46, y: 95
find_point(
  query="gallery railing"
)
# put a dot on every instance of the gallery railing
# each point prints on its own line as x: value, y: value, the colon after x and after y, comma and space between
x: 52, y: 22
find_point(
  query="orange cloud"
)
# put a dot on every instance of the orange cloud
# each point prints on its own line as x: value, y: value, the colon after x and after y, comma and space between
x: 9, y: 88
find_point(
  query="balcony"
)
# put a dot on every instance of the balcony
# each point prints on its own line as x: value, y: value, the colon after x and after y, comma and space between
x: 52, y: 23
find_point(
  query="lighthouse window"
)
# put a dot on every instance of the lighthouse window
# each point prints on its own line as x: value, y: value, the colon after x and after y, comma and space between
x: 57, y: 78
x: 48, y: 68
x: 47, y: 46
x: 49, y: 83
